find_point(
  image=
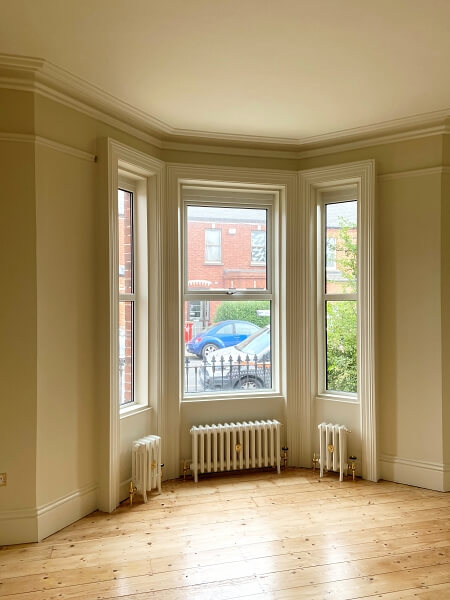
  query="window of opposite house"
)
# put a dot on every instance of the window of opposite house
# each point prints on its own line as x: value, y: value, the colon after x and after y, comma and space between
x: 258, y: 249
x: 228, y: 307
x: 213, y: 245
x: 126, y: 278
x: 331, y: 253
x: 339, y: 296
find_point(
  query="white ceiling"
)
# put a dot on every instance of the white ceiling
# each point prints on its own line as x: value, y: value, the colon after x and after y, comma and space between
x: 291, y: 69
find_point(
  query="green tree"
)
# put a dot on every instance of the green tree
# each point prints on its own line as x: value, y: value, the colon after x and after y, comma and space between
x: 341, y: 317
x: 243, y: 310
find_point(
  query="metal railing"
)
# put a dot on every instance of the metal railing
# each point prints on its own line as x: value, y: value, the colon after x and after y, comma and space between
x: 217, y: 374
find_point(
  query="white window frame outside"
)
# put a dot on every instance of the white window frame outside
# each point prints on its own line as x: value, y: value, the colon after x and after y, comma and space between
x: 330, y: 265
x: 312, y: 182
x: 175, y: 411
x: 127, y: 166
x: 323, y: 297
x: 140, y: 309
x: 208, y: 261
x: 271, y: 293
x: 252, y: 245
x: 139, y: 297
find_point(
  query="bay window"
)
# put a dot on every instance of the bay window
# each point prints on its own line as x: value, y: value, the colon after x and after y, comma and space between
x: 228, y: 345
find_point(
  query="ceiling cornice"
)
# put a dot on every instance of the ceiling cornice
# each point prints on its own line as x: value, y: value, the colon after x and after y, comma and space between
x: 45, y: 78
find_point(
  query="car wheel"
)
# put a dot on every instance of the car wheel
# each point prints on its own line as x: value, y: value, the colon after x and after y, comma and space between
x: 248, y: 383
x: 208, y: 349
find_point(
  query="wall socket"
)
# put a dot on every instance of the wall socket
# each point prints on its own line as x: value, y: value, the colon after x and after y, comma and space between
x: 2, y: 478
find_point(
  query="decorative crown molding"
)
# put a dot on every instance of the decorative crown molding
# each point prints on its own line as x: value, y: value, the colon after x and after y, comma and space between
x: 47, y: 79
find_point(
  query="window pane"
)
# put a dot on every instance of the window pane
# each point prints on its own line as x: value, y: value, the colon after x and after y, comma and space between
x: 341, y: 247
x: 125, y: 227
x: 213, y: 245
x: 331, y: 253
x: 227, y: 348
x: 233, y: 237
x: 126, y: 352
x: 258, y: 247
x: 341, y: 359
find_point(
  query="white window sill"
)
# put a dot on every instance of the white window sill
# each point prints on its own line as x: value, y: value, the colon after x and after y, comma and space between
x: 232, y: 396
x: 133, y: 409
x: 347, y: 398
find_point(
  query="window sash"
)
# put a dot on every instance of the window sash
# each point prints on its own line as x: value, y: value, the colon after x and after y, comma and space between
x: 257, y: 245
x: 268, y: 203
x: 323, y: 297
x: 127, y: 297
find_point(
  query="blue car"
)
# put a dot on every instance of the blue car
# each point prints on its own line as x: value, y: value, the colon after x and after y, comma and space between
x: 220, y: 335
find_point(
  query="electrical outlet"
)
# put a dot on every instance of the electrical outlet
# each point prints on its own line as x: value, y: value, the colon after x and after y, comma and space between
x: 2, y: 478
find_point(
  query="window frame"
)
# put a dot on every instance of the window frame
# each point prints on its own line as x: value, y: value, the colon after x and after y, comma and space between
x: 323, y: 297
x: 252, y: 245
x: 333, y: 266
x: 311, y: 182
x: 128, y: 185
x: 148, y: 174
x: 272, y: 264
x: 139, y: 296
x: 219, y: 245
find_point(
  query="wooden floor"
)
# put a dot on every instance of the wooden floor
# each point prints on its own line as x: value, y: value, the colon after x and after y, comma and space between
x: 255, y: 536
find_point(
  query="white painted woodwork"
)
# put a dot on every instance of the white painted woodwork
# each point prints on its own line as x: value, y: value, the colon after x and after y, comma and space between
x: 311, y: 183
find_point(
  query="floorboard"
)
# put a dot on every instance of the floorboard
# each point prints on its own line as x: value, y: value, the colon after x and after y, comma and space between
x: 251, y: 535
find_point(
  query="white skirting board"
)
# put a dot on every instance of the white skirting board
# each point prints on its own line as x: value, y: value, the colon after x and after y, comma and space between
x: 429, y: 475
x: 66, y: 510
x: 18, y: 526
x: 35, y: 524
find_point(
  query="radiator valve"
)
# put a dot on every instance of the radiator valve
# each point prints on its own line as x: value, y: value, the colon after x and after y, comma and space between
x: 315, y: 462
x: 186, y: 468
x: 352, y: 465
x: 132, y: 490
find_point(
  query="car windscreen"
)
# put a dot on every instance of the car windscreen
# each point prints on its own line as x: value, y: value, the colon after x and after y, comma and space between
x: 256, y: 343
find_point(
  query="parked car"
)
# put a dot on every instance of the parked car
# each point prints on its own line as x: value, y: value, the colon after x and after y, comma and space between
x: 220, y: 335
x: 244, y: 366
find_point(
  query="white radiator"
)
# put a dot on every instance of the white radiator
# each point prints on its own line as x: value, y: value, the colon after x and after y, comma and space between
x: 333, y: 448
x: 146, y: 464
x: 234, y: 446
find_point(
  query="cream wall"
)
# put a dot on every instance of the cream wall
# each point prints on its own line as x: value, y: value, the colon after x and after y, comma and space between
x: 18, y: 341
x: 409, y: 318
x: 18, y: 321
x: 55, y: 316
x: 445, y: 295
x: 66, y: 307
x: 227, y: 411
x: 55, y: 352
x: 394, y: 157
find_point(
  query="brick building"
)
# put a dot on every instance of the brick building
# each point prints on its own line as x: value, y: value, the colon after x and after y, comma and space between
x: 226, y: 250
x: 126, y: 287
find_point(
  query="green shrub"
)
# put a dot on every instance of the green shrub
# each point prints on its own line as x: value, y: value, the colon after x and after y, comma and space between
x: 243, y: 311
